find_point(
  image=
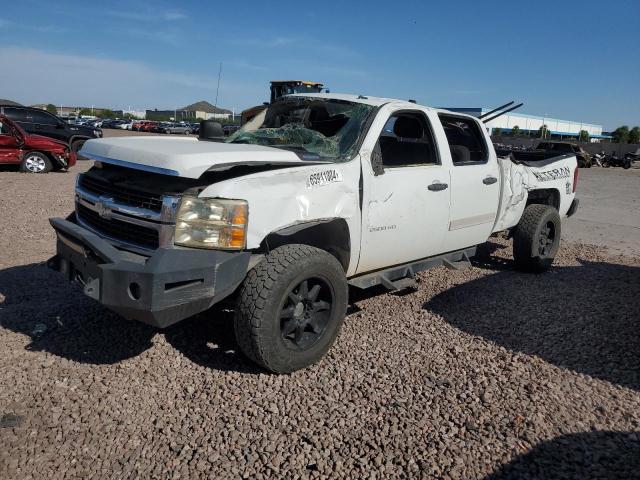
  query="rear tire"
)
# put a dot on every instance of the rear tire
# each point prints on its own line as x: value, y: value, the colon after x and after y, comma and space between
x: 536, y: 238
x: 35, y: 162
x: 290, y: 308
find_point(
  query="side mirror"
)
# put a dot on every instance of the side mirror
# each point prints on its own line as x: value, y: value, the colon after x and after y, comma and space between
x: 376, y: 161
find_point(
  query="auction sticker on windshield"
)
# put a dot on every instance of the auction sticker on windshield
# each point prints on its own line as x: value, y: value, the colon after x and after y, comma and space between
x: 323, y: 178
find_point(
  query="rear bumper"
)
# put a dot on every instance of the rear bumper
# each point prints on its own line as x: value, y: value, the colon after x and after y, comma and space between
x: 160, y: 290
x: 573, y: 208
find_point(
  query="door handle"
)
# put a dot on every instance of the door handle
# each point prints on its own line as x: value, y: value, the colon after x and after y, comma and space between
x: 489, y: 180
x: 437, y: 186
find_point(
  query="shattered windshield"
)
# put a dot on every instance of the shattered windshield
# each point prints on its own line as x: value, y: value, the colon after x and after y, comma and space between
x: 319, y: 127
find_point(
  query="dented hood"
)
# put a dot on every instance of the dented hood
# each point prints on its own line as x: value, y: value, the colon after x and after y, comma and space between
x: 184, y: 157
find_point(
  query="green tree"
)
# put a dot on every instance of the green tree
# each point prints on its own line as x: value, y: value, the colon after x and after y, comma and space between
x: 497, y: 132
x: 515, y: 131
x: 85, y: 111
x: 583, y: 136
x: 634, y: 135
x: 106, y: 113
x: 51, y: 108
x: 621, y: 134
x: 543, y: 131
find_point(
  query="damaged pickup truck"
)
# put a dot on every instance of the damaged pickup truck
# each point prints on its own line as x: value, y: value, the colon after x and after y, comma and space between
x: 316, y: 193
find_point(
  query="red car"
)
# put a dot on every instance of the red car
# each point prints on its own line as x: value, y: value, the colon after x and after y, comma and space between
x: 34, y: 153
x: 148, y: 126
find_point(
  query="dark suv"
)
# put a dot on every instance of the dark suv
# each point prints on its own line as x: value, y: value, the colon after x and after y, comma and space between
x: 41, y: 122
x: 584, y: 159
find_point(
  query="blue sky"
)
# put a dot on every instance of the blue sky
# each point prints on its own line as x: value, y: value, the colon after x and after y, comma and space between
x: 569, y: 59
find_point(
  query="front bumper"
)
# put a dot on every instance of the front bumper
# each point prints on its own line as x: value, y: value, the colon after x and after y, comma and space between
x: 168, y: 286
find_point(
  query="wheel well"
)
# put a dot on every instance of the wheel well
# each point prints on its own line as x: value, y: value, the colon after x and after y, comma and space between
x: 331, y: 235
x: 545, y: 196
x: 77, y: 138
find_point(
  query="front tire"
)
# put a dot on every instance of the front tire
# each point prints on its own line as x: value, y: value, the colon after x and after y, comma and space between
x: 35, y: 162
x: 536, y: 238
x: 290, y: 308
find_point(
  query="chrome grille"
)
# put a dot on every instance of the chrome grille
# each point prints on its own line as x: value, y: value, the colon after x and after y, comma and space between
x: 117, y: 229
x: 126, y: 217
x: 124, y: 195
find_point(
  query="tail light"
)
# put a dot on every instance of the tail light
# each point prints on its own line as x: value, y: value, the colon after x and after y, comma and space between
x: 575, y: 180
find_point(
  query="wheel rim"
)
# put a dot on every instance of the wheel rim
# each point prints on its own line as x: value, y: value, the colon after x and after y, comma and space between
x: 34, y: 164
x: 547, y: 239
x: 305, y: 313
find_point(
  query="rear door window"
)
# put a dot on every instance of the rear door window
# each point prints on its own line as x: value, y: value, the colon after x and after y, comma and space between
x: 466, y: 142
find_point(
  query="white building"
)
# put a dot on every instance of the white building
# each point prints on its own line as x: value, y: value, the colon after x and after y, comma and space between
x: 530, y: 124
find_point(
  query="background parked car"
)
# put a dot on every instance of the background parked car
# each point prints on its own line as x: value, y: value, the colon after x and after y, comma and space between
x: 41, y: 122
x: 148, y: 126
x: 169, y: 128
x: 34, y: 153
x: 230, y: 129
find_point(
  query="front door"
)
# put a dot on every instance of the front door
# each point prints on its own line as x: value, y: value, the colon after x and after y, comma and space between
x: 405, y: 208
x: 475, y: 183
x: 9, y: 151
x: 48, y: 125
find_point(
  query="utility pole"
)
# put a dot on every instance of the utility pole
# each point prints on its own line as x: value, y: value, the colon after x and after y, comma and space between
x: 218, y: 87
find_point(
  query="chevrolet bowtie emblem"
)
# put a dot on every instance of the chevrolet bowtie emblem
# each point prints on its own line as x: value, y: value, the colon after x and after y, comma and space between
x: 103, y: 209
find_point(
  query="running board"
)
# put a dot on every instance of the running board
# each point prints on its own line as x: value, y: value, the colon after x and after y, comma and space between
x: 401, y: 284
x: 403, y: 276
x: 463, y: 264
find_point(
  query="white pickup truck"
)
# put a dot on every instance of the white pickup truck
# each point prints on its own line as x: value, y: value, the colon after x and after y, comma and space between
x: 318, y: 192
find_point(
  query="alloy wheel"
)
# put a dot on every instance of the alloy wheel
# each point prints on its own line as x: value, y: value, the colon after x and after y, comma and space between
x: 34, y: 164
x: 306, y: 313
x: 547, y: 239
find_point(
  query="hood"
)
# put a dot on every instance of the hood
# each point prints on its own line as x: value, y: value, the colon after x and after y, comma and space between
x: 184, y: 157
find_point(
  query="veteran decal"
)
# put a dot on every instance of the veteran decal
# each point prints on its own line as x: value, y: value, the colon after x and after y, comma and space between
x: 555, y: 174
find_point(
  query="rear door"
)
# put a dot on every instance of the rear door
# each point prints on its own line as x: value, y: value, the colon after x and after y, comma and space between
x: 475, y: 182
x: 405, y: 190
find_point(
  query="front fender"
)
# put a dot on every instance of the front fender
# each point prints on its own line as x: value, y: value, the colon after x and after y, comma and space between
x: 286, y: 197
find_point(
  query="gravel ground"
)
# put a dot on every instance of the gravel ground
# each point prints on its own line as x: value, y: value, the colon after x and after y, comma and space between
x: 479, y: 373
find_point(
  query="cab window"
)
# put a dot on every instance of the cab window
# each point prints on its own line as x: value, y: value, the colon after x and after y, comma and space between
x: 407, y: 140
x: 466, y: 142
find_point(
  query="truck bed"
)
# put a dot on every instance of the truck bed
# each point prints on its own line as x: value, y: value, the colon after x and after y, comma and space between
x: 533, y: 158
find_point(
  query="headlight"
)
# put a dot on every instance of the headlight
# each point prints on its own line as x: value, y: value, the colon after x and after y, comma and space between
x: 212, y: 223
